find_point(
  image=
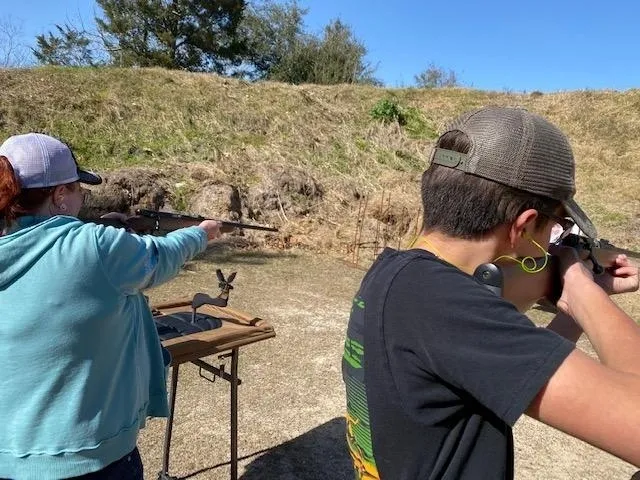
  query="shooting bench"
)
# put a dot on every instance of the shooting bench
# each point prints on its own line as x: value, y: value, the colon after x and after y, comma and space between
x: 228, y: 330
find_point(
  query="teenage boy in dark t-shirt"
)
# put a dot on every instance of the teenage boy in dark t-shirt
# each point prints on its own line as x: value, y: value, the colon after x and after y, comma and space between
x: 437, y: 367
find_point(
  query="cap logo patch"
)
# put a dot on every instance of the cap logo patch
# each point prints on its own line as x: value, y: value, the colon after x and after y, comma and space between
x: 451, y: 159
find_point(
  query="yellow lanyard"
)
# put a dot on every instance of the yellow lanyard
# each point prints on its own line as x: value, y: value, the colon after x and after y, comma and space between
x: 424, y: 242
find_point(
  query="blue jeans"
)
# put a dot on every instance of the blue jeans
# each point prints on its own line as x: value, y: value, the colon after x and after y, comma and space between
x: 128, y: 467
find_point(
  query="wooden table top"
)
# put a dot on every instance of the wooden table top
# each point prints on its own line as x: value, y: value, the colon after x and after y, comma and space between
x: 238, y: 329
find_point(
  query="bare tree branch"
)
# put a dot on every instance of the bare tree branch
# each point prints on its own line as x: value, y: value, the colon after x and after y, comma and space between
x: 436, y: 77
x: 13, y: 53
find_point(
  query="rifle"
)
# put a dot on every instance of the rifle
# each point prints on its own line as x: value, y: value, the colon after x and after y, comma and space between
x: 524, y: 290
x: 153, y: 221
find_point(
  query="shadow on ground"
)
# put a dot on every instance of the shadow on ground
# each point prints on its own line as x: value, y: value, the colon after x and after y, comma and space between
x: 318, y: 454
x: 240, y: 254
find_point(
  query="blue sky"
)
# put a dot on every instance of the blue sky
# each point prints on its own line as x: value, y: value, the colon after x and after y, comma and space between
x: 493, y: 45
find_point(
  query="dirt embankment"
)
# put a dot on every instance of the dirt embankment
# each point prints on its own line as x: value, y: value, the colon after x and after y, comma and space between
x: 329, y: 166
x: 287, y: 197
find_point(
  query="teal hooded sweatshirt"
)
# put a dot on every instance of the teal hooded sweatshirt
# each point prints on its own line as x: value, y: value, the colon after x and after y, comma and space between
x: 81, y: 363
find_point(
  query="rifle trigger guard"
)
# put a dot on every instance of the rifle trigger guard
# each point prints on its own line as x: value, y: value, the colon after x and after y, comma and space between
x: 597, y: 268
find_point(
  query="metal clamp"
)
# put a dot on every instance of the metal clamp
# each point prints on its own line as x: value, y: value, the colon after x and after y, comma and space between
x: 212, y: 379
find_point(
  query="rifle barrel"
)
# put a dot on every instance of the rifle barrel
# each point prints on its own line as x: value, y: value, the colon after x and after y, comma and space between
x: 247, y: 226
x: 150, y: 221
x: 173, y: 221
x: 610, y: 252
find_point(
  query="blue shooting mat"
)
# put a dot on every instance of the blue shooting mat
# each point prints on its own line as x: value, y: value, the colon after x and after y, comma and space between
x: 180, y: 324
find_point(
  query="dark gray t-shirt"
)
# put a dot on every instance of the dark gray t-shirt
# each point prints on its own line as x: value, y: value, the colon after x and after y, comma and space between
x: 437, y: 370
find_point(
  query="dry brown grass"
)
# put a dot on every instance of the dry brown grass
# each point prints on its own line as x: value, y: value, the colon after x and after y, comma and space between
x: 233, y: 131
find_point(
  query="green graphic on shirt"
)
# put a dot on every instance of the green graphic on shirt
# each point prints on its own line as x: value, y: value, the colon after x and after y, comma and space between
x: 358, y: 426
x: 358, y: 302
x: 353, y: 353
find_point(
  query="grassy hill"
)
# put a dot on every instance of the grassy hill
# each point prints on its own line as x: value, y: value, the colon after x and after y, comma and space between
x: 198, y: 129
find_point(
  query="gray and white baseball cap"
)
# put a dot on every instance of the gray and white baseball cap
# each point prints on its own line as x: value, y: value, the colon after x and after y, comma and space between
x: 522, y: 150
x: 39, y: 161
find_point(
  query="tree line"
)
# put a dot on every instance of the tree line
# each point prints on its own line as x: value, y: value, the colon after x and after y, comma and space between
x: 254, y: 40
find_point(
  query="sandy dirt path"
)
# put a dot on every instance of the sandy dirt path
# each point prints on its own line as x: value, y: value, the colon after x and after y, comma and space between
x: 291, y: 399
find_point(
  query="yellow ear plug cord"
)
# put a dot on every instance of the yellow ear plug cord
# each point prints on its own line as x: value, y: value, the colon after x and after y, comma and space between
x: 532, y: 266
x: 528, y: 264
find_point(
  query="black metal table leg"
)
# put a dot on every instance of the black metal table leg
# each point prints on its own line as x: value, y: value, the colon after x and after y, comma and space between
x: 164, y: 474
x: 234, y: 414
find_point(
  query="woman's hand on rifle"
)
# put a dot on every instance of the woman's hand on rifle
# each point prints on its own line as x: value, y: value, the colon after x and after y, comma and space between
x: 212, y: 228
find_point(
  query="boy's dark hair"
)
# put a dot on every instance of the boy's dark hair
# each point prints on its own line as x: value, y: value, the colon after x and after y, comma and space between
x: 467, y: 206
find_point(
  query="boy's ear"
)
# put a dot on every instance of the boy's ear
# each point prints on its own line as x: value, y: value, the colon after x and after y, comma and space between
x: 524, y: 223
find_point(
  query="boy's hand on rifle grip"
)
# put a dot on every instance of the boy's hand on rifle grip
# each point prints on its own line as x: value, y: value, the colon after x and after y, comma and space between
x: 574, y: 275
x: 212, y: 228
x: 622, y: 277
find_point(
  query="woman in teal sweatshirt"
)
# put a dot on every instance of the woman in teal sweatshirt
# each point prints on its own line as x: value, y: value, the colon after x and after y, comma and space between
x: 82, y: 364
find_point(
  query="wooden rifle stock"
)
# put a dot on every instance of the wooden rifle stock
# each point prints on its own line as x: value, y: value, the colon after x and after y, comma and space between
x: 524, y: 289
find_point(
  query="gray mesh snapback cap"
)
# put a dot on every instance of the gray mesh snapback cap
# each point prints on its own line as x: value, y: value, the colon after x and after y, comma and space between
x: 39, y: 160
x: 522, y: 150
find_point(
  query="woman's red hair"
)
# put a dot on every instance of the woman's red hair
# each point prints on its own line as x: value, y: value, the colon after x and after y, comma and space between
x: 9, y: 187
x: 14, y: 201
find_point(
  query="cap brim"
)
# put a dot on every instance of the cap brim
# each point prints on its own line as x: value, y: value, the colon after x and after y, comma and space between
x: 582, y: 221
x: 89, y: 177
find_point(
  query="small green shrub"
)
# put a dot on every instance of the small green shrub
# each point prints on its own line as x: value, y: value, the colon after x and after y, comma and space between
x: 179, y: 196
x: 417, y: 125
x: 388, y: 110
